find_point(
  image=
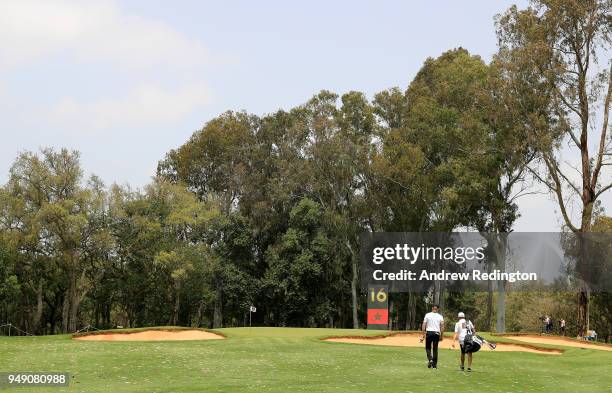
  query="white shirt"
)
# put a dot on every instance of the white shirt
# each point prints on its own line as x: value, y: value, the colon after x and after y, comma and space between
x: 461, y: 328
x: 432, y: 321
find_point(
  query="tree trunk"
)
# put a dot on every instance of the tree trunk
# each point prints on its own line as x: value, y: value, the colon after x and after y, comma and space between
x: 50, y: 329
x: 177, y: 304
x: 39, y: 307
x: 65, y: 312
x: 489, y: 310
x: 107, y: 315
x: 72, y: 301
x: 441, y: 300
x: 501, y: 287
x: 200, y: 307
x: 218, y: 312
x: 501, y: 307
x: 52, y: 325
x: 500, y: 327
x: 438, y: 287
x: 354, y: 297
x: 66, y: 307
x: 75, y: 301
x: 583, y: 312
x: 77, y: 294
x: 74, y: 312
x: 411, y: 313
x: 354, y: 282
x: 583, y: 272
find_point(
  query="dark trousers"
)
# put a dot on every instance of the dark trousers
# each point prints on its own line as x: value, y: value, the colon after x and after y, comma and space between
x: 431, y: 340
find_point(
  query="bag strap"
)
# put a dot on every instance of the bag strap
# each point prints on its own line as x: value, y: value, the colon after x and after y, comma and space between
x: 468, y: 326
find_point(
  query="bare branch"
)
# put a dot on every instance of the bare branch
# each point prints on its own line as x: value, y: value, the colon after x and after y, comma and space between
x: 522, y: 194
x: 604, y: 189
x: 558, y: 190
x: 567, y: 103
x: 604, y: 131
x: 567, y: 180
x: 548, y: 185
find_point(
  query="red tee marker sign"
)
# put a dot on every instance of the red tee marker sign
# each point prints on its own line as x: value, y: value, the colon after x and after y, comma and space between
x: 378, y: 310
x: 378, y: 317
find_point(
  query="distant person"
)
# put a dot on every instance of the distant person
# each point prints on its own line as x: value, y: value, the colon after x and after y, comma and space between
x: 462, y: 327
x: 592, y: 335
x: 551, y: 325
x: 562, y: 327
x: 433, y: 329
x: 546, y: 323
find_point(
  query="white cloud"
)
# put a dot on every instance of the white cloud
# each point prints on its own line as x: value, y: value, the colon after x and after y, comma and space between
x: 92, y: 35
x: 90, y: 31
x: 144, y: 106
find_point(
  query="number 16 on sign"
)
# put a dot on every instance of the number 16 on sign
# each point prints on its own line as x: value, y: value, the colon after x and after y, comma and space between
x: 378, y: 307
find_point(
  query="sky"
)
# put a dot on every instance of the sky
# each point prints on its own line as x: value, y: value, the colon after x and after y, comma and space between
x: 123, y: 82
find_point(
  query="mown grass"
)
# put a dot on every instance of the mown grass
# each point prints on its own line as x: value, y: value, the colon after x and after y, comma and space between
x: 287, y: 359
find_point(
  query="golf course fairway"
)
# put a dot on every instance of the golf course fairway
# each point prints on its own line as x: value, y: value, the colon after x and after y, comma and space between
x: 292, y: 359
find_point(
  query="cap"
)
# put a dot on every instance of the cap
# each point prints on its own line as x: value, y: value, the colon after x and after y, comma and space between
x: 461, y: 315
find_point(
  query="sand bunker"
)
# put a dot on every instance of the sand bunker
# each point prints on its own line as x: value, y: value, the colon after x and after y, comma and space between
x: 412, y: 340
x: 153, y: 335
x: 561, y: 341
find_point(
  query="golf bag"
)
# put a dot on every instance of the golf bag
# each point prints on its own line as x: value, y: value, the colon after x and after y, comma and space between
x: 472, y: 343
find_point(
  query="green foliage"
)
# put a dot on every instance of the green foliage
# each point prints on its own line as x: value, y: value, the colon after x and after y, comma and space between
x: 267, y: 210
x: 297, y: 280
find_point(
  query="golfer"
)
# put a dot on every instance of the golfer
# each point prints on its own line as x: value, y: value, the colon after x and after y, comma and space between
x: 562, y: 327
x: 433, y: 327
x: 547, y: 324
x: 461, y: 330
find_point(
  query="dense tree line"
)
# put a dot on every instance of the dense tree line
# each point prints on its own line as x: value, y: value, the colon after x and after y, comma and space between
x: 267, y: 210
